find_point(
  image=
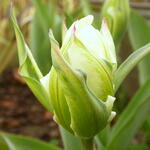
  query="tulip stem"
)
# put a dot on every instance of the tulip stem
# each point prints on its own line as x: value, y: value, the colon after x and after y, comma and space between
x: 88, y: 144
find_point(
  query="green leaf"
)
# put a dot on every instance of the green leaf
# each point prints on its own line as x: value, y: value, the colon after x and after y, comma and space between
x: 14, y: 142
x: 29, y: 69
x: 130, y: 120
x: 70, y: 141
x: 102, y: 137
x: 3, y: 145
x: 40, y: 45
x: 129, y: 64
x: 43, y: 19
x: 139, y: 34
x: 45, y: 13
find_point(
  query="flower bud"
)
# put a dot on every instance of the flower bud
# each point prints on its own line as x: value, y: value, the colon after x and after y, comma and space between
x: 117, y: 14
x: 81, y: 79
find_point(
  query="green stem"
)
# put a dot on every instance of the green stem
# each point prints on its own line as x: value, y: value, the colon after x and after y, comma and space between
x: 88, y: 144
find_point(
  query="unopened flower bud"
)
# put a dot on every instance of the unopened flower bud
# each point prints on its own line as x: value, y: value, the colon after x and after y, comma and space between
x: 81, y: 79
x: 117, y: 14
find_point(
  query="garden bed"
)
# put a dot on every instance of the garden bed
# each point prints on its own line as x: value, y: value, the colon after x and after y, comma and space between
x: 21, y: 113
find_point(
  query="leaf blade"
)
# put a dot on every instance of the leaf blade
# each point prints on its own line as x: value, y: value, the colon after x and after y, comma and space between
x: 139, y: 34
x: 29, y: 69
x: 131, y: 119
x: 129, y: 64
x: 70, y: 141
x: 14, y: 142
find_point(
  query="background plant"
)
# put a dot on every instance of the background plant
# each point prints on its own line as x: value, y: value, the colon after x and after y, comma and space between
x: 7, y: 44
x: 118, y: 137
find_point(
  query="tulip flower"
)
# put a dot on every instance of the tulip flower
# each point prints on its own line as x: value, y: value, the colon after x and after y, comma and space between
x: 117, y: 14
x: 81, y: 79
x: 80, y: 87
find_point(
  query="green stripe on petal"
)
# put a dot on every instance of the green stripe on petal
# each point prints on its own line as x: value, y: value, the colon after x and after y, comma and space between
x: 61, y: 110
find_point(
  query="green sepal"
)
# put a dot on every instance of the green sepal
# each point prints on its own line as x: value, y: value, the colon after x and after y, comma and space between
x: 88, y: 113
x: 29, y: 69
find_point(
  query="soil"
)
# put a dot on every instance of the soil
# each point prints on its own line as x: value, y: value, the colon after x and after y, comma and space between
x: 21, y: 113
